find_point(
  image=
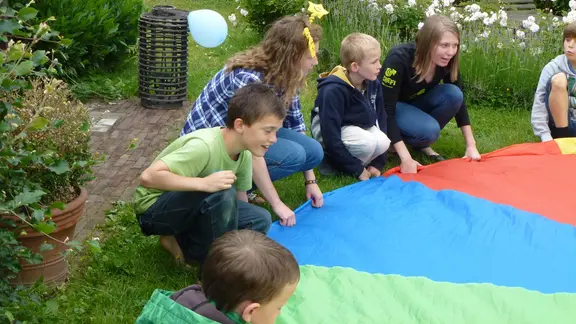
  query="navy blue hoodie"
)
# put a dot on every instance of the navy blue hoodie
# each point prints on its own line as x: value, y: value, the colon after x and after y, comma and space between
x: 340, y: 104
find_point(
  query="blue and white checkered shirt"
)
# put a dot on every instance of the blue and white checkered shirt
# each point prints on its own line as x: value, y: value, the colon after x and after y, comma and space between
x: 211, y: 106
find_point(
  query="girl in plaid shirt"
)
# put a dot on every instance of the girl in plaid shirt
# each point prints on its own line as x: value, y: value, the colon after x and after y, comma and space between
x: 281, y: 60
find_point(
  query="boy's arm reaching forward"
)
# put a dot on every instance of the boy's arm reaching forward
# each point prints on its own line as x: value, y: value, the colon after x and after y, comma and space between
x: 158, y: 176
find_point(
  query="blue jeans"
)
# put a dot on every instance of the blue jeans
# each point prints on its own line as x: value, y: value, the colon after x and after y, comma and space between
x: 293, y: 152
x: 198, y: 218
x: 551, y: 124
x: 421, y: 120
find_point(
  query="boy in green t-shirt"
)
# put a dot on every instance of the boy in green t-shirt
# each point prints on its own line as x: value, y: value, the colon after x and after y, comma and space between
x: 195, y: 190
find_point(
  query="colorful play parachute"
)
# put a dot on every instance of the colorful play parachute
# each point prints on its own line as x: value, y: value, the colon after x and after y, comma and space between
x: 459, y: 242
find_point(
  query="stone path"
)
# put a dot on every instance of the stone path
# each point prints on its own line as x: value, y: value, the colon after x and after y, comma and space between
x: 114, y: 126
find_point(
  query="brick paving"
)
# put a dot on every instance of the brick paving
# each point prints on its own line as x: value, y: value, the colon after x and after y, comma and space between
x: 114, y: 126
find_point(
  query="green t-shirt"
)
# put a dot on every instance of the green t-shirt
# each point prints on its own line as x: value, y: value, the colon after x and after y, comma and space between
x: 198, y: 154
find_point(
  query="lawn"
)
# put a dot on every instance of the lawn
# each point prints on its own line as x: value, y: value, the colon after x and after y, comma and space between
x: 113, y: 286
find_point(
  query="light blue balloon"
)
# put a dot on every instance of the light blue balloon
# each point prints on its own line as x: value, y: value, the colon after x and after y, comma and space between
x: 208, y: 28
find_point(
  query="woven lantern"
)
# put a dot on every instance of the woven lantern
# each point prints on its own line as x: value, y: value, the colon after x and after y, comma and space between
x: 163, y: 58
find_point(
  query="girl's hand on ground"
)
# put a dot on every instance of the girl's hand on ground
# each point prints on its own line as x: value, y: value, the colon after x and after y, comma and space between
x: 364, y: 176
x: 472, y: 153
x: 374, y: 172
x: 286, y: 215
x: 314, y: 192
x: 220, y: 180
x: 409, y: 166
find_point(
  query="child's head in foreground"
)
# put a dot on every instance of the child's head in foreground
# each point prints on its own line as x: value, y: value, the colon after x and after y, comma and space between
x: 256, y: 112
x: 570, y: 40
x: 360, y: 53
x: 248, y: 273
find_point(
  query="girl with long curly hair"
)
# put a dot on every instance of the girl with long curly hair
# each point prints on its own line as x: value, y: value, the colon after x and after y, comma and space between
x: 281, y: 60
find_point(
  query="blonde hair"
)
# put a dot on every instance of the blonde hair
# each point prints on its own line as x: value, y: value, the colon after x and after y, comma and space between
x: 354, y: 46
x: 427, y: 39
x: 279, y: 54
x: 247, y: 265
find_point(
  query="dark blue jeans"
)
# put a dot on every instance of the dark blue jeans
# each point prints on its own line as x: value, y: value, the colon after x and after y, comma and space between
x: 293, y: 152
x: 197, y: 218
x: 421, y: 120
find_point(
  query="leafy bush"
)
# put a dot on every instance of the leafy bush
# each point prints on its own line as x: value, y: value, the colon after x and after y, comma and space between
x: 102, y: 31
x: 557, y: 6
x: 25, y: 165
x: 262, y: 13
x: 48, y: 101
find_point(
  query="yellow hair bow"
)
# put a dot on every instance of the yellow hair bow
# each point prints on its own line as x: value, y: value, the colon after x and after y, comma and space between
x: 316, y: 11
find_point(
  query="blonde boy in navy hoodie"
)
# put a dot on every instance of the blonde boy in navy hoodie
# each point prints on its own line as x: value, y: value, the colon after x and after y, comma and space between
x: 349, y: 119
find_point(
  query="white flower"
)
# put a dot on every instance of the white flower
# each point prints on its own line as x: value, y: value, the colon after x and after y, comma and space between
x: 572, y: 4
x: 232, y: 19
x: 420, y: 24
x: 463, y: 47
x: 455, y: 16
x: 430, y: 11
x: 243, y: 12
x: 570, y: 18
x: 411, y: 3
x: 536, y: 51
x: 534, y: 28
x: 490, y: 20
x: 528, y: 22
x: 485, y: 34
x: 499, y: 45
x: 472, y: 8
x: 459, y: 26
x: 389, y: 8
x: 503, y: 18
x: 373, y: 6
x: 520, y: 34
x: 522, y: 45
x: 446, y: 3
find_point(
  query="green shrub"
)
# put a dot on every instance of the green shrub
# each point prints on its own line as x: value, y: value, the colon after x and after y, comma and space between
x: 102, y: 31
x: 262, y: 13
x: 557, y: 6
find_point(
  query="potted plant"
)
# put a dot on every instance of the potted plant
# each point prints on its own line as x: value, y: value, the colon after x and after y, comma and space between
x: 61, y: 134
x: 44, y: 156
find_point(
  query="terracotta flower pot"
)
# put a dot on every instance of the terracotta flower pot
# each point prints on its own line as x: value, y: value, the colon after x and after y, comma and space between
x: 54, y: 268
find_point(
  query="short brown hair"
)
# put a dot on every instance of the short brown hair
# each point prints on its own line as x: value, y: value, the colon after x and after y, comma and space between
x: 570, y: 30
x: 428, y: 38
x: 252, y: 103
x: 353, y: 48
x: 246, y: 265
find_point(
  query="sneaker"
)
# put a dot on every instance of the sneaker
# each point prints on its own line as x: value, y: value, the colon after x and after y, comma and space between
x: 253, y: 198
x: 326, y: 169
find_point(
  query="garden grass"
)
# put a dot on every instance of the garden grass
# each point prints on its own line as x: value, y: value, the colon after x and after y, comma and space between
x: 113, y: 286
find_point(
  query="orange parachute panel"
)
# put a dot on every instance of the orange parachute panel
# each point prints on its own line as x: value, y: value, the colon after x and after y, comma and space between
x: 535, y: 177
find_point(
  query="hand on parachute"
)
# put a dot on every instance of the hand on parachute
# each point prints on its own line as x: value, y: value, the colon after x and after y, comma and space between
x: 472, y: 154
